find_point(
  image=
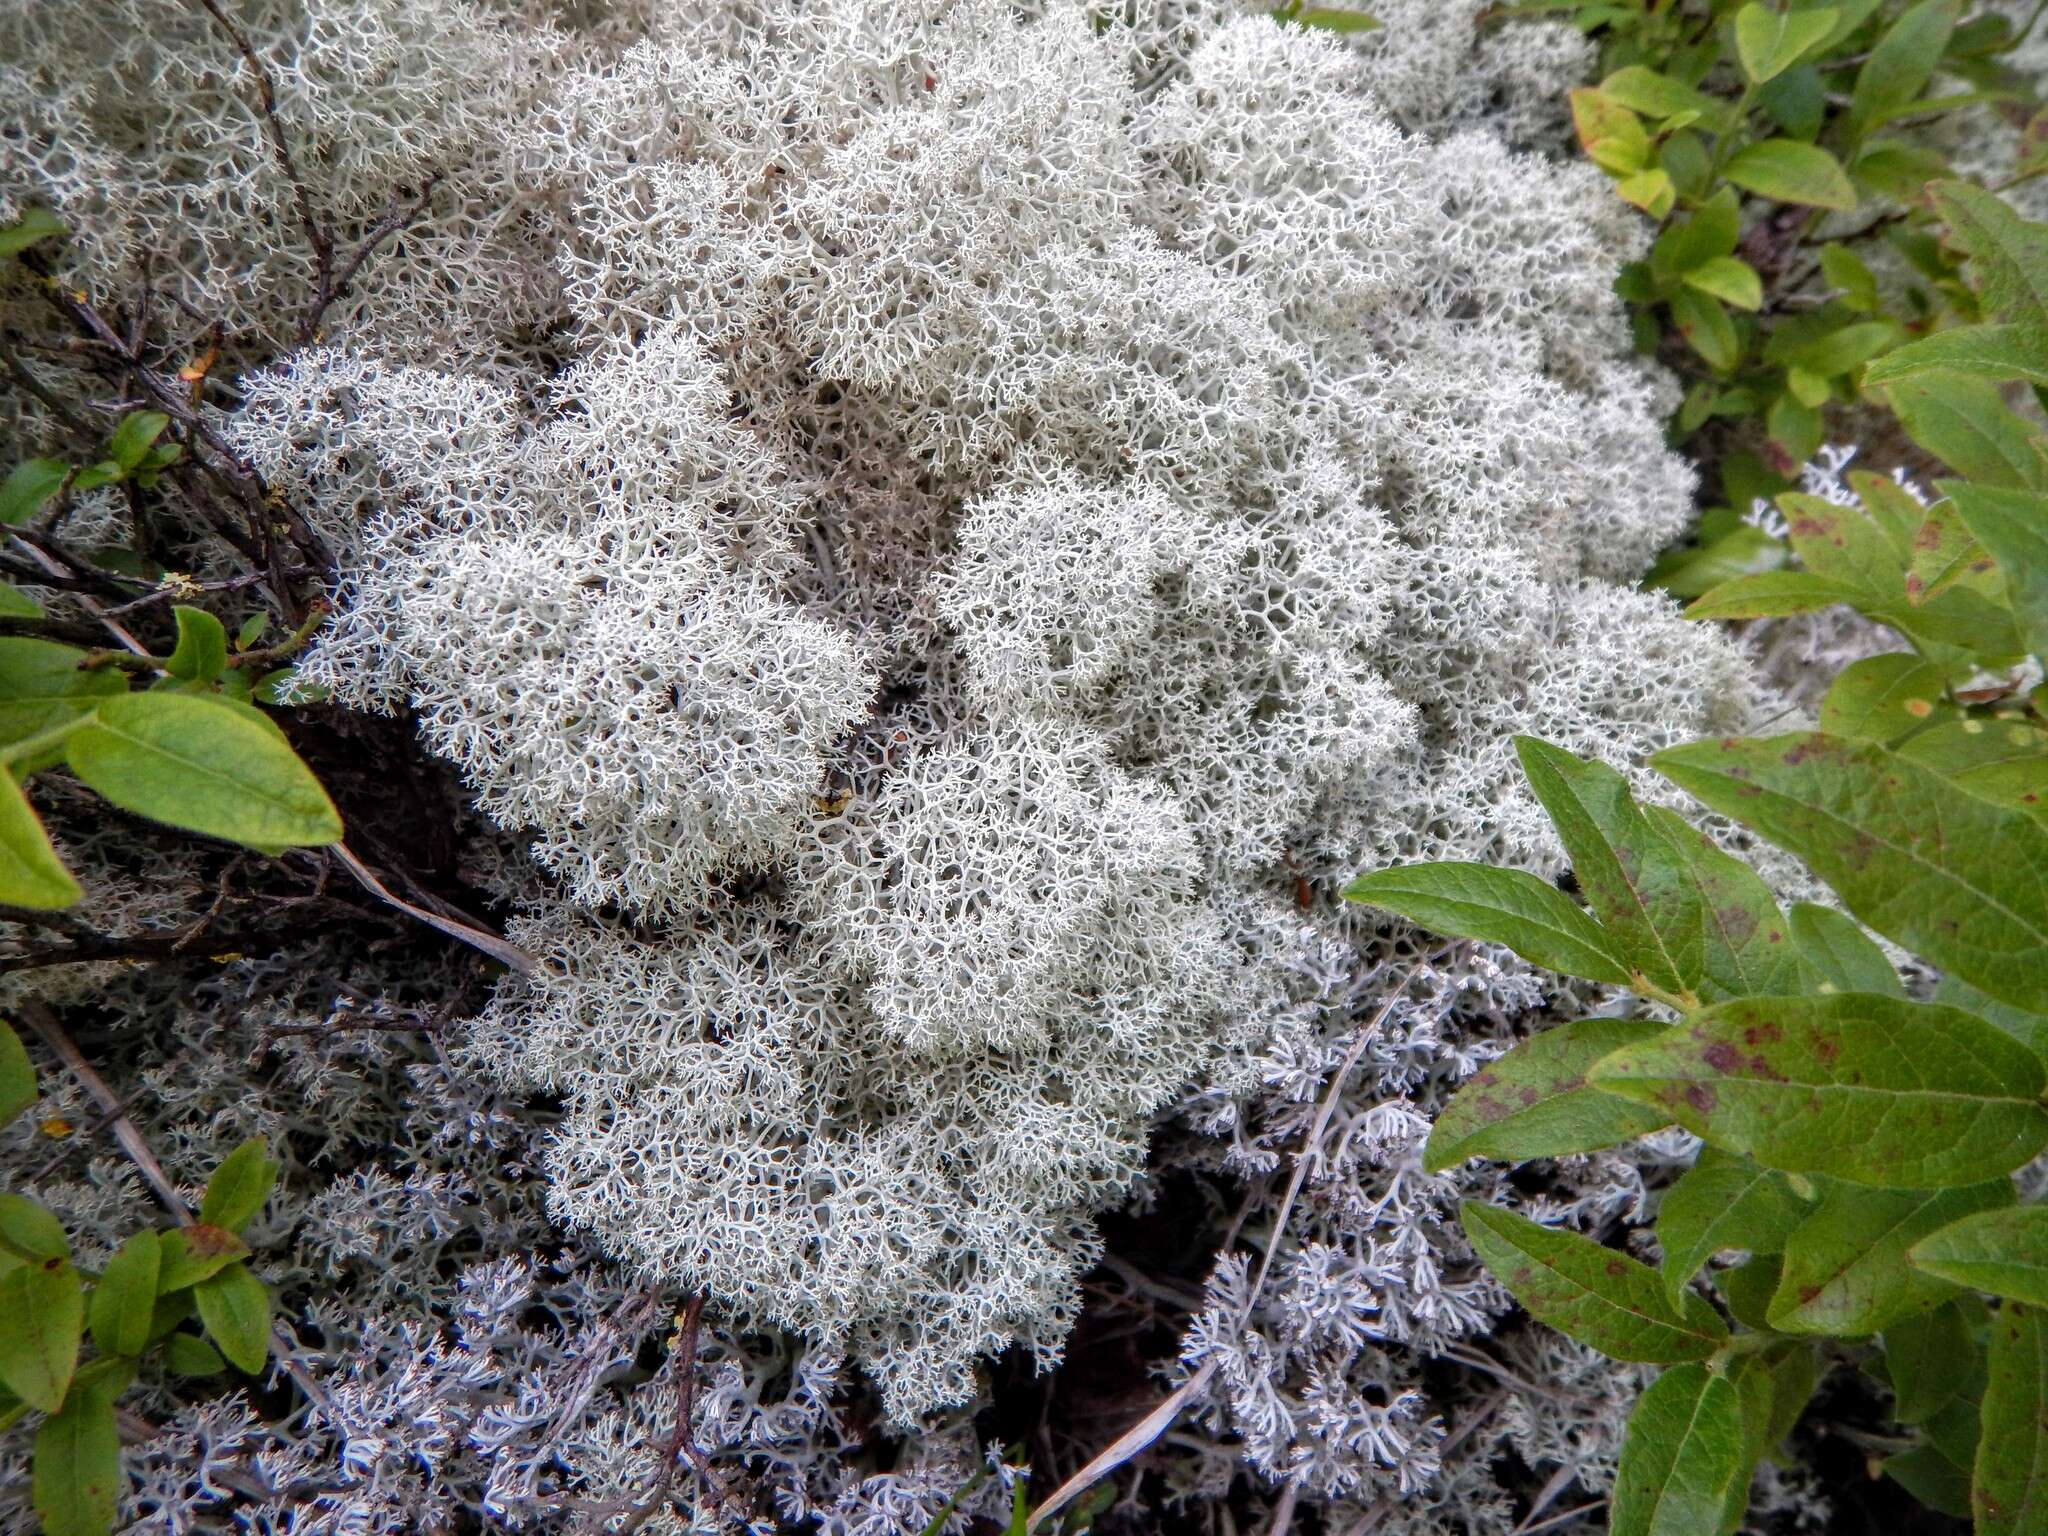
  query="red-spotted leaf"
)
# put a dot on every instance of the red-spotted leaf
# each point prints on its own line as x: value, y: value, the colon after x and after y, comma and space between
x: 1534, y: 1102
x: 2009, y: 1488
x: 1598, y: 1296
x: 1957, y: 879
x: 1844, y: 1270
x: 1870, y: 1089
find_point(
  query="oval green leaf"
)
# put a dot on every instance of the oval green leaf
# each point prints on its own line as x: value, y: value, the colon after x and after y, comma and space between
x: 191, y: 763
x: 42, y: 1314
x: 234, y: 1306
x: 202, y: 650
x: 1791, y: 172
x: 1683, y: 1456
x: 124, y: 1298
x: 1845, y: 1272
x: 239, y: 1186
x: 17, y: 1075
x: 31, y: 874
x: 1598, y: 1296
x: 2003, y: 1252
x: 77, y: 1479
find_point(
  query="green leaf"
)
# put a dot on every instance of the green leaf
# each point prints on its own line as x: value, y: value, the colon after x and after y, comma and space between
x: 1748, y: 1288
x: 252, y: 630
x: 1850, y: 276
x: 1508, y: 907
x: 1958, y: 880
x: 188, y: 762
x: 189, y: 1355
x: 1902, y: 63
x: 1898, y: 170
x: 1722, y: 1202
x: 239, y: 1186
x: 1790, y: 172
x: 77, y: 1480
x: 30, y: 1231
x: 1534, y: 1102
x: 124, y: 1299
x: 31, y: 483
x: 1884, y: 698
x: 1845, y: 1271
x: 2009, y: 1491
x: 202, y: 650
x: 17, y: 604
x: 1710, y: 233
x: 1769, y: 42
x: 1687, y: 573
x: 17, y: 1075
x: 1729, y: 279
x: 93, y: 476
x: 234, y: 1306
x: 132, y: 438
x: 1682, y: 1458
x: 2001, y: 353
x: 1796, y: 102
x: 1931, y: 1478
x: 1771, y: 595
x: 195, y: 1253
x: 33, y: 225
x: 1642, y: 89
x: 31, y: 874
x: 1869, y: 1089
x: 1743, y: 941
x: 2013, y: 526
x: 1840, y: 955
x: 2003, y: 1252
x: 41, y: 686
x: 1705, y: 325
x: 2008, y: 255
x: 1965, y: 423
x: 1931, y: 1358
x: 2029, y: 1027
x: 1597, y: 1295
x: 42, y: 1312
x: 2000, y: 760
x: 1633, y: 879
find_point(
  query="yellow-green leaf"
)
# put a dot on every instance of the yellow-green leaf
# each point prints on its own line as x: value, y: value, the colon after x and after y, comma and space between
x: 17, y: 1076
x: 239, y: 1186
x: 31, y: 874
x: 1791, y: 172
x: 1768, y: 42
x: 42, y: 1313
x: 1723, y: 1201
x: 191, y: 763
x: 77, y: 1478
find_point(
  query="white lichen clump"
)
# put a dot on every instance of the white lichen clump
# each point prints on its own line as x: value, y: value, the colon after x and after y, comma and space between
x: 1030, y: 493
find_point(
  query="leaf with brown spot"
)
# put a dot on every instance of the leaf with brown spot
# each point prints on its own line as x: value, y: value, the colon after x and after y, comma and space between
x: 2009, y: 1486
x: 1534, y: 1102
x: 1873, y: 1090
x: 1745, y: 944
x: 1960, y: 881
x: 1844, y: 1270
x: 1723, y: 1201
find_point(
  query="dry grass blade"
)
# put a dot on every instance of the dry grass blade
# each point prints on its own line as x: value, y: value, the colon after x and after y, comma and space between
x: 1125, y: 1445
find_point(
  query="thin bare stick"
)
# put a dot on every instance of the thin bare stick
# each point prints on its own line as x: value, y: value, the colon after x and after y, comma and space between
x: 45, y: 1024
x: 474, y: 937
